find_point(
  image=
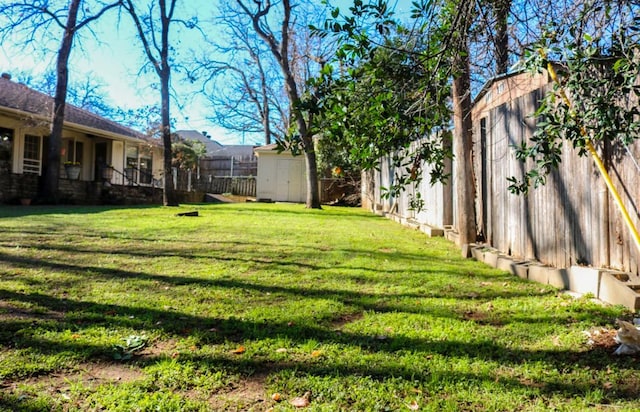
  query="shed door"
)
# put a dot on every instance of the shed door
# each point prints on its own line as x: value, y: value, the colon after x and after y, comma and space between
x: 288, y: 180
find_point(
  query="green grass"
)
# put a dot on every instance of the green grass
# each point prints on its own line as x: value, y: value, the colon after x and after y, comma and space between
x: 250, y: 300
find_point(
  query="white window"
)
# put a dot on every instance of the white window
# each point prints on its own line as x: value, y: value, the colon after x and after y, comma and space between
x: 131, y: 168
x: 32, y: 156
x: 73, y: 150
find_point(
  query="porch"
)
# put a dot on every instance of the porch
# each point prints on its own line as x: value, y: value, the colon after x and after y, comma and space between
x: 17, y: 188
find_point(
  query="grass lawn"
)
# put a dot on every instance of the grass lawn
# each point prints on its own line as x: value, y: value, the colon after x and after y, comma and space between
x: 250, y: 306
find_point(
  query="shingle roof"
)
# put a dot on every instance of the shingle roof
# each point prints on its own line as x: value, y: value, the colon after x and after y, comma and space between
x: 211, y: 145
x: 20, y: 97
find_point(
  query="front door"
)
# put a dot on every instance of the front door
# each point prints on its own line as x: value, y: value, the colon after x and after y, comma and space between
x: 100, y: 160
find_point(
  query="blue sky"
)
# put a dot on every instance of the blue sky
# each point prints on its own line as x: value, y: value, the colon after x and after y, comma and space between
x: 113, y: 56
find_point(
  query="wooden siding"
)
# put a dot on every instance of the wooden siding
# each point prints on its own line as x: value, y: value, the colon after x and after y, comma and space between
x: 438, y: 198
x: 571, y: 220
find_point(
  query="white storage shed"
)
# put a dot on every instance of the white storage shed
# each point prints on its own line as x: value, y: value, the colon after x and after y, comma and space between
x: 281, y: 176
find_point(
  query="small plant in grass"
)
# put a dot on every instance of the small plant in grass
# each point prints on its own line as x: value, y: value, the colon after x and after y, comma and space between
x: 132, y: 344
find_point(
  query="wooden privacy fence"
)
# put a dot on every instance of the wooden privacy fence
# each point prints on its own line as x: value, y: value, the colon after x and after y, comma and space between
x: 229, y: 166
x: 572, y: 220
x: 438, y: 198
x: 189, y: 180
x: 241, y: 186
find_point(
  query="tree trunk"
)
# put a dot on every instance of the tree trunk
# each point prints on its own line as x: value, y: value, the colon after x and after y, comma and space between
x: 501, y: 9
x: 49, y: 187
x: 313, y: 190
x: 463, y: 145
x: 280, y: 52
x: 168, y: 192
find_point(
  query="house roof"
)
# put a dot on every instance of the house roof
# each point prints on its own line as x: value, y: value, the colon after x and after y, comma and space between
x: 214, y: 148
x: 19, y: 97
x: 210, y: 144
x: 266, y: 148
x: 237, y: 151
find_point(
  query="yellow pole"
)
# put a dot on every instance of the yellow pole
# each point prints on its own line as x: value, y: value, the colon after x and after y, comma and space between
x: 598, y: 161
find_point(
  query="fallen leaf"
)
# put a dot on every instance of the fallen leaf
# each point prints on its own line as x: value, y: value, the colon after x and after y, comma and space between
x: 239, y: 350
x: 316, y: 353
x: 413, y: 406
x: 301, y: 401
x: 276, y: 397
x: 75, y: 336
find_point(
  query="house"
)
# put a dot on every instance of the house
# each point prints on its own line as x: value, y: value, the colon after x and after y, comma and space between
x: 88, y: 139
x: 211, y: 146
x: 281, y: 176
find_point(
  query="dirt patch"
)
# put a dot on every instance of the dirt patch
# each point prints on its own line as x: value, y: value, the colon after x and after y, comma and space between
x: 160, y: 348
x: 603, y: 339
x: 339, y: 322
x: 88, y: 375
x: 246, y: 395
x: 481, y: 318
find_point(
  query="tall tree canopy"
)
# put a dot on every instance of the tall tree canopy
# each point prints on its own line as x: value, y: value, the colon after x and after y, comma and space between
x: 295, y: 66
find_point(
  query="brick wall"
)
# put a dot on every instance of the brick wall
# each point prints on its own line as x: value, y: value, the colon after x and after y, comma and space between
x: 14, y: 187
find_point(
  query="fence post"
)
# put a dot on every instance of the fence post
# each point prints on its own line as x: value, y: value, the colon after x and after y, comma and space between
x: 174, y: 172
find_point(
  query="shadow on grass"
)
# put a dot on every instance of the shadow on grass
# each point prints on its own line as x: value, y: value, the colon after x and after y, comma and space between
x: 360, y: 300
x: 42, y: 210
x: 242, y: 331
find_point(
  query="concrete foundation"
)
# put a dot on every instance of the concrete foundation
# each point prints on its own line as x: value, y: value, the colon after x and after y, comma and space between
x: 609, y: 286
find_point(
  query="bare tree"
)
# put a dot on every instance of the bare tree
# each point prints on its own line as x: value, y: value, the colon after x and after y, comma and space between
x: 245, y: 89
x: 30, y: 17
x: 289, y: 58
x: 153, y: 31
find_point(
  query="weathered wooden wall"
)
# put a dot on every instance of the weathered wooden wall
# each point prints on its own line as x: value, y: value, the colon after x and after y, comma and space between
x: 437, y: 210
x: 572, y: 220
x: 241, y: 186
x: 229, y: 166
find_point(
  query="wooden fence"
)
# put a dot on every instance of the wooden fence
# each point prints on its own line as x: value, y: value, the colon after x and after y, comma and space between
x: 570, y: 220
x: 438, y: 207
x: 229, y: 166
x: 241, y: 186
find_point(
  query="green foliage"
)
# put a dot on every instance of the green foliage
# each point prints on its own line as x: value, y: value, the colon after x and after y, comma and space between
x: 187, y: 153
x: 391, y: 90
x: 131, y: 345
x: 599, y: 76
